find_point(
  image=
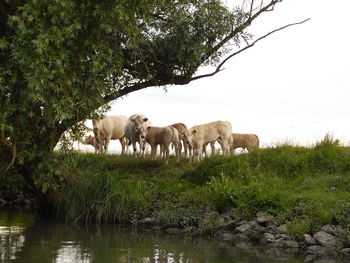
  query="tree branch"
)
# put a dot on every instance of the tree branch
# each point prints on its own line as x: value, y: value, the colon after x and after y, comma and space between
x: 11, y: 146
x: 218, y: 69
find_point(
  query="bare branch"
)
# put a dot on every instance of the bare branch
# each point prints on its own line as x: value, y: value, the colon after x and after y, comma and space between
x: 218, y: 69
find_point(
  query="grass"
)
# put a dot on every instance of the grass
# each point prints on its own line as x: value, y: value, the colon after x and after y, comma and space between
x: 308, y: 187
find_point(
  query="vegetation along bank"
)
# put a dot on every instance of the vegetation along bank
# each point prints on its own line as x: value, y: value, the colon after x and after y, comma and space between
x: 290, y: 197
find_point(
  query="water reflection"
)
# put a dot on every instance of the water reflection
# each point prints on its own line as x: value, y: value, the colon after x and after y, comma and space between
x: 32, y: 240
x: 12, y: 236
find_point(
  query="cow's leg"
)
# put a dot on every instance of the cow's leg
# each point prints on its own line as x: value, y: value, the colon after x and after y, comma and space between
x: 166, y: 153
x: 97, y: 139
x: 212, y: 147
x: 122, y: 143
x: 106, y: 144
x: 198, y: 152
x: 153, y: 151
x: 134, y: 148
x: 142, y: 148
x: 204, y: 149
x: 178, y: 151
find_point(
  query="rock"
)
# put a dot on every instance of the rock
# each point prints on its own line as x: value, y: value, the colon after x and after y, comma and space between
x: 335, y: 179
x: 334, y: 230
x: 333, y: 189
x: 345, y: 252
x: 307, y: 181
x: 227, y: 237
x: 238, y: 238
x: 263, y: 219
x: 309, y: 240
x: 316, y: 250
x: 310, y: 258
x: 243, y: 245
x: 325, y: 239
x: 245, y: 228
x: 148, y: 221
x: 268, y: 238
x: 174, y: 231
x: 233, y: 215
x: 283, y: 229
x: 291, y: 244
x: 224, y: 222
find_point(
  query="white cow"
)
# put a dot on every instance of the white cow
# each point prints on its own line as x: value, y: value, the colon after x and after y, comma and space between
x: 135, y: 127
x: 200, y: 135
x: 246, y: 141
x: 162, y: 136
x: 109, y: 128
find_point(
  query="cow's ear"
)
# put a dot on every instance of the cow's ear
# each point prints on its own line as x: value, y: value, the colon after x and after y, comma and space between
x: 145, y: 119
x: 148, y: 128
x: 194, y: 132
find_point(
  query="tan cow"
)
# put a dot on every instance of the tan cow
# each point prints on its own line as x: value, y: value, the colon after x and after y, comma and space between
x: 182, y: 128
x: 134, y: 129
x: 200, y: 135
x: 109, y: 128
x: 162, y: 136
x: 246, y: 141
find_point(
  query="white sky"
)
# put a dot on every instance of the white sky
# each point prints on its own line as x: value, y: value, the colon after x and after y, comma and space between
x: 292, y: 86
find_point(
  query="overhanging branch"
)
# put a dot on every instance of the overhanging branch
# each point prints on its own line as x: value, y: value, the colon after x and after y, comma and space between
x: 219, y: 68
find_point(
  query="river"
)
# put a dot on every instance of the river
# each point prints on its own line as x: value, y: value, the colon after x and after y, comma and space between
x: 27, y: 238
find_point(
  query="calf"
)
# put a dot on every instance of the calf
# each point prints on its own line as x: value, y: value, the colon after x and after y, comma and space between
x: 181, y: 128
x: 162, y: 136
x: 134, y: 129
x: 200, y: 135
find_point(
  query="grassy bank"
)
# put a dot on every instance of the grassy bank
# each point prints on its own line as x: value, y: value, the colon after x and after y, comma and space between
x: 308, y: 187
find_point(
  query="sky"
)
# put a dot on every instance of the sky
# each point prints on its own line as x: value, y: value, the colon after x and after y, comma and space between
x: 293, y: 86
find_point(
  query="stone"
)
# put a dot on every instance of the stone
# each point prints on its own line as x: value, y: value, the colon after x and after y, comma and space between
x: 291, y: 243
x: 307, y: 181
x: 263, y: 219
x: 148, y: 221
x: 309, y: 240
x: 224, y: 222
x: 325, y: 239
x: 345, y: 252
x: 245, y: 228
x: 282, y: 229
x: 243, y: 245
x: 316, y: 250
x: 174, y: 231
x: 238, y: 238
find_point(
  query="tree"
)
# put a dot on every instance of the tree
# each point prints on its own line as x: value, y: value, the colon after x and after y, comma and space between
x: 60, y: 61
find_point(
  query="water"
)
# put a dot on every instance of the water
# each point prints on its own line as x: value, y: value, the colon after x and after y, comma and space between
x: 26, y: 238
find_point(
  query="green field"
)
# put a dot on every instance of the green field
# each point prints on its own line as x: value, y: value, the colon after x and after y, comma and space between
x: 306, y: 186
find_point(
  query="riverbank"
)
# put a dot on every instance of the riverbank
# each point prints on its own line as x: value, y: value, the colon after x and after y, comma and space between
x: 288, y: 198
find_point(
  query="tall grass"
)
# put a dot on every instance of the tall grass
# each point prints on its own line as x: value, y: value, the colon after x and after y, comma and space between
x: 308, y: 187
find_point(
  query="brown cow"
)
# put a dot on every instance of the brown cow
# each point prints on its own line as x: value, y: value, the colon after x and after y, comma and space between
x: 162, y: 136
x: 181, y: 128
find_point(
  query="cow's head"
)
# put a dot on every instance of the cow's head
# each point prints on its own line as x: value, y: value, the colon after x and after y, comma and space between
x: 188, y: 136
x: 89, y: 140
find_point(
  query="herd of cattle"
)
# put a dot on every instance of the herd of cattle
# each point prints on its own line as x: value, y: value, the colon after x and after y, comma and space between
x: 138, y: 129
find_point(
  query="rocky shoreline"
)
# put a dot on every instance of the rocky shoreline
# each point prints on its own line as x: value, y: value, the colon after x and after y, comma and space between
x: 331, y: 242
